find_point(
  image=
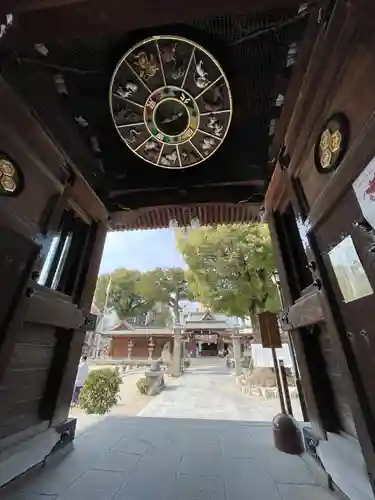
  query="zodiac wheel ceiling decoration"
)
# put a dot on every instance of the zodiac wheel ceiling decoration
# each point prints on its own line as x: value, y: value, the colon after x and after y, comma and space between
x: 170, y: 102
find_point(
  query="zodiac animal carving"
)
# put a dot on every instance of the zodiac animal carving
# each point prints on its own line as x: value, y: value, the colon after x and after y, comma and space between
x: 168, y: 56
x: 132, y: 136
x: 178, y: 73
x: 200, y: 76
x: 215, y: 125
x: 168, y: 53
x: 152, y: 150
x: 129, y: 89
x: 127, y: 116
x: 146, y: 65
x: 213, y: 101
x: 207, y: 144
x: 189, y: 156
x: 151, y: 145
x: 169, y: 159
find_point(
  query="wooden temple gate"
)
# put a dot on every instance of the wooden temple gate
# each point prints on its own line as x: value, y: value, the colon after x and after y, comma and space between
x: 301, y: 124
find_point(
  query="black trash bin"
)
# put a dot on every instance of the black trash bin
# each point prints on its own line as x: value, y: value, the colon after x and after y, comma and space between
x: 287, y: 434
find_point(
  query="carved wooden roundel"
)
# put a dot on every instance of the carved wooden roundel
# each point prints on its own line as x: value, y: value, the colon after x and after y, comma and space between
x: 332, y: 143
x: 170, y: 102
x: 11, y: 180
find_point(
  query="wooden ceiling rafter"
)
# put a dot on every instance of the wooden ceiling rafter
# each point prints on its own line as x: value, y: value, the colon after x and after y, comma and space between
x: 235, y: 194
x: 40, y: 21
x: 19, y: 6
x: 159, y: 217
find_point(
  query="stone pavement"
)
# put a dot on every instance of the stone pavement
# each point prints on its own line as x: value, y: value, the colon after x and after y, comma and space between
x: 122, y: 457
x: 208, y: 390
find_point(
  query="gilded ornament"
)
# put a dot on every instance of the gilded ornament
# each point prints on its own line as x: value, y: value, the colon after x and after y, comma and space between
x: 326, y: 157
x: 335, y: 141
x: 8, y: 184
x: 325, y: 139
x: 7, y: 168
x: 331, y: 143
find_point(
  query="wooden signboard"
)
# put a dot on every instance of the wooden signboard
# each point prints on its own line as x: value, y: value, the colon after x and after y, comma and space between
x: 269, y: 330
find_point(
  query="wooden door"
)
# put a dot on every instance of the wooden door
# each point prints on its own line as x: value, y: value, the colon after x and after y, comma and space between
x: 51, y: 239
x: 303, y: 318
x: 346, y: 242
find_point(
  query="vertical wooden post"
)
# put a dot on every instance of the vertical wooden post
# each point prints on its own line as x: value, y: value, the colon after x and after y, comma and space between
x: 278, y: 380
x: 284, y: 382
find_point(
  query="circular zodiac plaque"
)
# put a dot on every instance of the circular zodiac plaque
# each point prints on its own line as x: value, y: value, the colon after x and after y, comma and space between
x: 170, y: 102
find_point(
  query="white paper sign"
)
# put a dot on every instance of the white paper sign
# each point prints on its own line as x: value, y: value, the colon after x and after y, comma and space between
x: 364, y: 188
x: 351, y: 277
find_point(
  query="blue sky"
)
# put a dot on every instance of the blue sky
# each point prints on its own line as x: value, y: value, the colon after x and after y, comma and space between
x: 142, y: 250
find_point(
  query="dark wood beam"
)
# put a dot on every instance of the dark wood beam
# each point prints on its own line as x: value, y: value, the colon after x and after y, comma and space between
x: 160, y: 217
x: 17, y: 6
x: 96, y: 19
x: 204, y: 194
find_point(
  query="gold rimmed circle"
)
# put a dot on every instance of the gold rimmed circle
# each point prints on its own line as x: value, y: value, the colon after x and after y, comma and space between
x: 149, y: 76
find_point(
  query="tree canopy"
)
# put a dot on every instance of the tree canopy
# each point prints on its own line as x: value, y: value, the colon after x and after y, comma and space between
x: 229, y: 268
x: 132, y: 294
x: 124, y: 296
x: 168, y: 286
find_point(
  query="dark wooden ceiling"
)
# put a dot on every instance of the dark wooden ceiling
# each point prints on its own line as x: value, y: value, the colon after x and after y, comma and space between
x: 85, y: 39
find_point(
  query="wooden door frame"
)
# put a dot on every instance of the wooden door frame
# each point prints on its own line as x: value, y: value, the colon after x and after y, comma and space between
x: 304, y: 112
x: 31, y: 140
x: 356, y: 395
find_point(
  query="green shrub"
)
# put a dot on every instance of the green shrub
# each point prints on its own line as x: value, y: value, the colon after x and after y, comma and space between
x: 100, y: 391
x: 186, y: 363
x: 143, y: 385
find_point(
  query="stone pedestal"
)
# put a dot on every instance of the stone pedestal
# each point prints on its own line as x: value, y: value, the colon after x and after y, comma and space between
x: 155, y: 377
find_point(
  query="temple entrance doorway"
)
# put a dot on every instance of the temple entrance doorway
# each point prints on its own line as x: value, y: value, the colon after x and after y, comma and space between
x: 209, y: 349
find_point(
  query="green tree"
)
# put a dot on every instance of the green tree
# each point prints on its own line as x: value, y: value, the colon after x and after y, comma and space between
x: 167, y: 286
x: 230, y: 267
x: 124, y: 296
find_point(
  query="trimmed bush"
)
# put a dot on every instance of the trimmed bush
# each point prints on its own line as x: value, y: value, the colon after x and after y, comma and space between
x: 143, y: 385
x: 100, y: 391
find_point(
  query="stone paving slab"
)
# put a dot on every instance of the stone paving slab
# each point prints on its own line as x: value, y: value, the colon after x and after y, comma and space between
x: 122, y: 457
x: 208, y: 391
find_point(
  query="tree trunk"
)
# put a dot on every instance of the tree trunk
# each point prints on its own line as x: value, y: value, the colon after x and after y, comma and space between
x: 255, y: 325
x: 176, y: 307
